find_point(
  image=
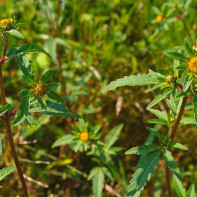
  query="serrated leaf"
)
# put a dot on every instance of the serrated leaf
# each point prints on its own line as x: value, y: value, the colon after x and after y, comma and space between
x: 180, y: 190
x: 160, y: 97
x: 6, y: 171
x: 155, y: 133
x: 53, y: 96
x: 47, y: 76
x: 195, y: 109
x: 22, y: 112
x: 167, y: 156
x: 24, y: 93
x: 143, y: 149
x: 16, y: 33
x: 143, y: 172
x: 179, y: 146
x: 133, y: 80
x: 67, y: 139
x: 26, y: 48
x: 155, y: 87
x: 177, y: 56
x: 4, y: 109
x: 191, y: 191
x: 188, y: 47
x: 112, y: 136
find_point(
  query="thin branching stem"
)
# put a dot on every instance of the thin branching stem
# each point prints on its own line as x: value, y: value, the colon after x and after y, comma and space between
x: 8, y: 128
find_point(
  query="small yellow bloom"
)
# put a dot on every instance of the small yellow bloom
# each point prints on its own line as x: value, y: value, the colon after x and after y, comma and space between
x: 192, y: 64
x: 159, y: 18
x: 40, y: 89
x: 5, y: 22
x: 84, y: 136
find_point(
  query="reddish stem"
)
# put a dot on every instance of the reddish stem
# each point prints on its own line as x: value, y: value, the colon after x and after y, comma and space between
x: 175, y: 127
x: 8, y: 128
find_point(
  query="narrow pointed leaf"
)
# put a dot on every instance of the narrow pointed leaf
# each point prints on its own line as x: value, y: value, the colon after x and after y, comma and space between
x: 4, y: 109
x: 179, y: 188
x: 195, y: 109
x: 160, y: 97
x: 167, y: 156
x: 188, y: 47
x: 143, y: 149
x: 143, y: 172
x: 155, y: 133
x: 159, y: 114
x: 179, y: 146
x: 133, y: 80
x: 47, y: 76
x: 176, y: 56
x: 6, y: 171
x: 16, y: 33
x: 191, y: 191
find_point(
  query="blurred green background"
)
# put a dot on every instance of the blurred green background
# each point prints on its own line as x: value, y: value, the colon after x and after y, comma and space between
x: 94, y: 42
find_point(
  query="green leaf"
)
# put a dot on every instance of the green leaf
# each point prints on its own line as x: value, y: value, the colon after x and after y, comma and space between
x: 179, y: 146
x: 144, y: 170
x: 42, y: 103
x: 195, y: 109
x: 160, y: 97
x: 52, y: 86
x: 24, y: 93
x: 51, y: 195
x: 66, y: 139
x: 97, y: 176
x: 167, y: 156
x: 180, y: 190
x: 155, y: 133
x: 26, y: 48
x: 177, y: 56
x: 157, y: 121
x: 16, y: 33
x: 22, y: 112
x: 111, y: 138
x: 133, y: 80
x: 4, y: 109
x: 28, y: 80
x: 53, y: 96
x: 55, y: 109
x: 6, y: 171
x: 188, y: 47
x: 161, y: 115
x: 143, y: 149
x: 191, y: 191
x: 47, y: 76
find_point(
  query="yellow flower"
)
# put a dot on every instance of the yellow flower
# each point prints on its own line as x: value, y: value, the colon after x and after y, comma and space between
x: 84, y: 136
x: 159, y: 18
x: 40, y: 89
x: 5, y: 22
x: 192, y: 64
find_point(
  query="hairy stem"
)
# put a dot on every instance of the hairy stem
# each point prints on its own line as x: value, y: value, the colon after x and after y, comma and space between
x: 172, y: 139
x: 8, y: 128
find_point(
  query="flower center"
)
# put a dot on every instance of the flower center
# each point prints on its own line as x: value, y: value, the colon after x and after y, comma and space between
x: 84, y: 136
x: 40, y: 89
x: 159, y: 18
x: 192, y: 65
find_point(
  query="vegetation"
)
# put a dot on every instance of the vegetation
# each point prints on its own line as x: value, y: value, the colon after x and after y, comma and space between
x: 68, y: 133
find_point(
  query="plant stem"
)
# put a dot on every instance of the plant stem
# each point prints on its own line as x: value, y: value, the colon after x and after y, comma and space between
x: 172, y: 139
x: 8, y: 128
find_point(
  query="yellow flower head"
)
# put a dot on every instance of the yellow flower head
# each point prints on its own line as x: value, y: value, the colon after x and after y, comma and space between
x: 40, y: 89
x: 6, y: 22
x: 159, y: 18
x: 84, y: 136
x: 192, y: 64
